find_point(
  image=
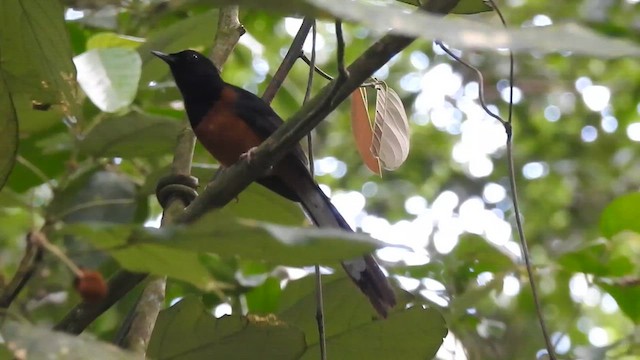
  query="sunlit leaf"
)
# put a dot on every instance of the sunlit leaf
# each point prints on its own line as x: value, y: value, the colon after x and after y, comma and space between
x: 413, y: 333
x: 188, y: 331
x: 109, y: 76
x: 344, y: 307
x: 361, y: 129
x: 131, y: 135
x: 43, y: 343
x: 463, y: 33
x: 222, y: 234
x: 621, y: 214
x: 390, y: 130
x: 626, y: 296
x: 109, y: 40
x: 597, y: 258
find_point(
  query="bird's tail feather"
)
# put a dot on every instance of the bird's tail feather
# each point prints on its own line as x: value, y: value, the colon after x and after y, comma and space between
x: 365, y: 272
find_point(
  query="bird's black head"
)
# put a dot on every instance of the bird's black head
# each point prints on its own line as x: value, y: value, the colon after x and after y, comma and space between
x: 197, y: 78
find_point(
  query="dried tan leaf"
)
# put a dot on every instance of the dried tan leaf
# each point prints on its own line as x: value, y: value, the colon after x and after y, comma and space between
x: 361, y: 129
x: 391, y: 129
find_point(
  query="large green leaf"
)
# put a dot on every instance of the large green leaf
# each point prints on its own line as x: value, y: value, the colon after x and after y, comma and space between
x: 414, y: 333
x: 626, y: 297
x: 42, y: 343
x: 351, y: 326
x: 188, y: 331
x: 109, y: 76
x: 597, y: 258
x: 223, y: 234
x: 131, y: 135
x: 35, y: 70
x: 621, y: 214
x: 463, y: 7
x: 463, y: 33
x: 344, y: 307
x: 8, y: 133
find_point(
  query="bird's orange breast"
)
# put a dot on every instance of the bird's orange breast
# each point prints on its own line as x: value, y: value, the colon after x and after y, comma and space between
x: 223, y: 133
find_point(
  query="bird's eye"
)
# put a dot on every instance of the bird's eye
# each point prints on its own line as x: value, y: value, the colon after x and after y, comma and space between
x: 194, y: 56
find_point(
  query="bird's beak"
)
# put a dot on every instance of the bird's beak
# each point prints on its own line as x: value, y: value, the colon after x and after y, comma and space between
x: 168, y: 58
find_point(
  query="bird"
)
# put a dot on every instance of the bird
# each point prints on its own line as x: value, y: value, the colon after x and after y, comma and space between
x: 230, y: 121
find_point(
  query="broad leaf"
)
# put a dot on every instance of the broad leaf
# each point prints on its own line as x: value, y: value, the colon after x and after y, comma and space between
x: 414, y: 333
x: 621, y: 214
x: 597, y: 258
x: 8, y: 133
x: 42, y: 343
x: 463, y: 7
x: 35, y: 71
x: 361, y: 129
x: 390, y: 141
x: 131, y: 135
x: 626, y: 297
x: 345, y: 307
x: 463, y: 33
x: 222, y: 234
x: 109, y: 76
x: 109, y: 40
x: 188, y: 331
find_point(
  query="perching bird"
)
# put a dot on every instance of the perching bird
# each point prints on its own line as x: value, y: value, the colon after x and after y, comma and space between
x: 230, y: 121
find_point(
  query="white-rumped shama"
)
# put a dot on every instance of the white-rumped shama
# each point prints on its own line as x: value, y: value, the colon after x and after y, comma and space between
x: 229, y: 121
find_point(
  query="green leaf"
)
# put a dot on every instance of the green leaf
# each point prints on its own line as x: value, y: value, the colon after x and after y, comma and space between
x: 621, y: 214
x: 626, y: 297
x: 109, y: 76
x: 42, y: 343
x: 36, y: 68
x: 463, y: 33
x: 8, y: 133
x: 227, y: 236
x: 263, y: 299
x: 159, y: 260
x: 344, y: 307
x: 188, y: 331
x: 598, y: 259
x: 261, y: 204
x: 131, y: 135
x: 193, y: 32
x: 38, y: 61
x: 109, y: 40
x: 463, y: 7
x: 414, y: 333
x: 471, y: 7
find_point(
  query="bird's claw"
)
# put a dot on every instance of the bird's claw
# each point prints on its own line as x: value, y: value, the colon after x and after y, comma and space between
x: 249, y: 154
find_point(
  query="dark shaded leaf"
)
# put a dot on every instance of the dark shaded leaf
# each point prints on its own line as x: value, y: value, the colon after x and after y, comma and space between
x: 132, y: 135
x: 8, y: 133
x: 597, y: 258
x: 188, y: 331
x: 41, y: 343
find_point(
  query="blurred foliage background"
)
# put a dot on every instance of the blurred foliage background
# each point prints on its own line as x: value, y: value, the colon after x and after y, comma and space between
x: 576, y: 133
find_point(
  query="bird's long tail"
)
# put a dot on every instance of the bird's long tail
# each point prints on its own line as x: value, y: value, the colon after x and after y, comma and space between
x: 365, y: 271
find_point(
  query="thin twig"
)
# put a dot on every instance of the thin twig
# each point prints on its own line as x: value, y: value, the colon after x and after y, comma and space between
x: 289, y: 59
x: 319, y: 297
x: 342, y: 71
x: 307, y: 93
x: 317, y: 69
x: 320, y: 314
x: 480, y: 81
x: 32, y: 255
x: 512, y: 178
x: 516, y: 204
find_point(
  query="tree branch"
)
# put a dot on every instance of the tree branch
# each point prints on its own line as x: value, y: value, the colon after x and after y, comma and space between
x: 289, y: 59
